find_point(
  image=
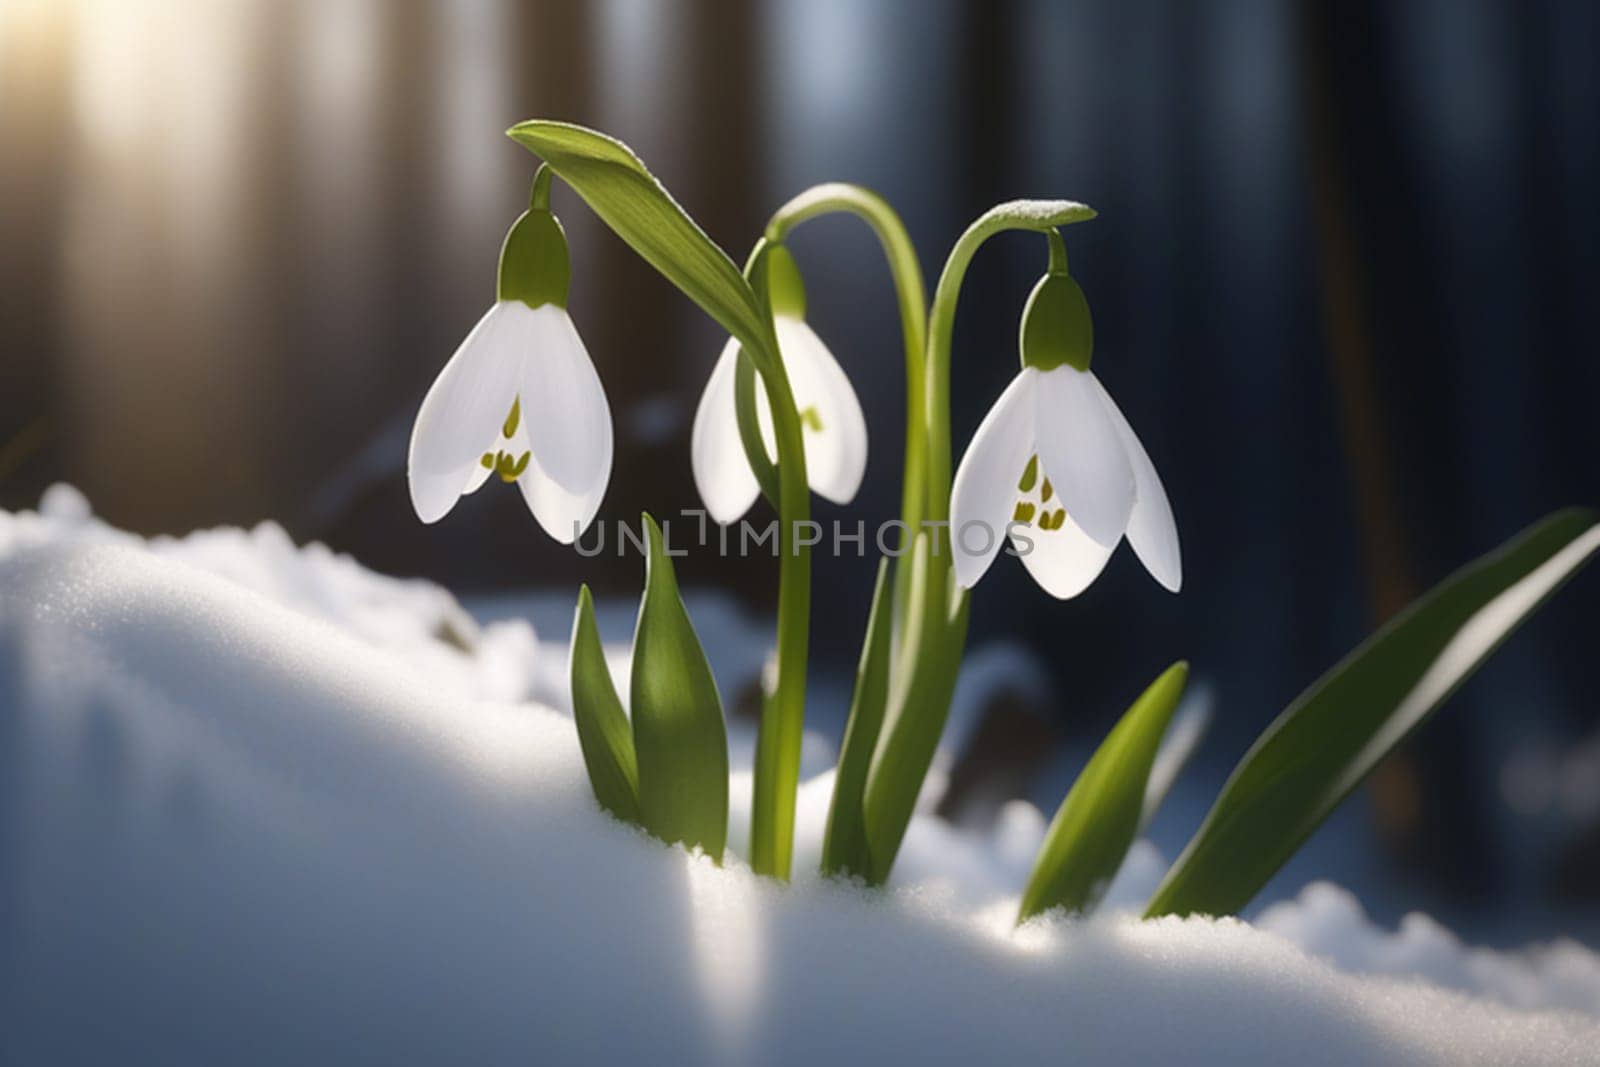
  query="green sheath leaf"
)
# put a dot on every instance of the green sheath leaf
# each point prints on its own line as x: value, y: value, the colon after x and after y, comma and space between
x: 678, y: 732
x: 603, y: 730
x: 919, y: 704
x: 1334, y: 733
x: 1096, y: 824
x: 627, y: 197
x: 844, y: 844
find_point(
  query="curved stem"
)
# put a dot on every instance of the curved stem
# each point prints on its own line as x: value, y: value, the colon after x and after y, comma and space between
x: 911, y: 295
x: 744, y: 396
x: 844, y: 847
x: 777, y: 764
x: 755, y: 449
x: 539, y: 194
x: 1035, y: 216
x: 1058, y: 252
x: 772, y: 816
x: 920, y: 702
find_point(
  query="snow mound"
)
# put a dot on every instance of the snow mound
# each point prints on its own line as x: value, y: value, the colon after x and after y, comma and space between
x: 415, y: 620
x: 1329, y: 922
x: 232, y: 832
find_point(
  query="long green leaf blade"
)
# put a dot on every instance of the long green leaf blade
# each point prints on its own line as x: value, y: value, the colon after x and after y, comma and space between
x: 844, y: 843
x: 678, y: 730
x: 919, y: 704
x: 628, y: 198
x: 1183, y: 738
x: 603, y: 730
x: 1097, y: 822
x: 1334, y: 733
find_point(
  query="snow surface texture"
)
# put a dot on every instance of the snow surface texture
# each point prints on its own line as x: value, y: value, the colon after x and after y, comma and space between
x: 245, y: 817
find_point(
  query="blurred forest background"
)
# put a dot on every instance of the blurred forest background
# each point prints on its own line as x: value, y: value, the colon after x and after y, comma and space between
x: 1344, y: 282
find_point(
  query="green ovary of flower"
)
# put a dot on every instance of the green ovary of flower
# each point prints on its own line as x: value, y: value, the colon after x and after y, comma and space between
x: 1056, y: 326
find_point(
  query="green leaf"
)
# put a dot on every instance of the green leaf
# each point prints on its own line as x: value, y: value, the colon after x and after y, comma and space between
x: 1334, y: 733
x: 678, y: 730
x: 919, y: 704
x: 1183, y: 738
x: 628, y: 198
x: 844, y: 843
x: 603, y: 730
x: 1097, y: 822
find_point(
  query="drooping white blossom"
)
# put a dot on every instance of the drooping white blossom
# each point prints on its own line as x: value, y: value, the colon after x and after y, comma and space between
x: 832, y: 425
x: 519, y: 400
x: 1056, y: 468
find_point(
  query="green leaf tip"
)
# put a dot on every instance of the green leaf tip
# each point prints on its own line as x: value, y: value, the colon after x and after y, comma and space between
x: 1331, y: 737
x: 678, y: 729
x: 1101, y: 815
x: 604, y: 733
x: 615, y: 183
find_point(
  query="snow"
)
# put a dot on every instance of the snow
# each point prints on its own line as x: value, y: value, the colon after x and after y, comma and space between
x: 1329, y: 922
x: 258, y: 804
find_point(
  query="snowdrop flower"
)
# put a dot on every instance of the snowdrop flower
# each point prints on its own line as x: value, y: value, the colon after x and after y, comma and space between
x: 832, y: 425
x: 1056, y: 467
x: 520, y: 399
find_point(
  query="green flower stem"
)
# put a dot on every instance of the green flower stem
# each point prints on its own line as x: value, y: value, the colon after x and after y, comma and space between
x: 1058, y: 252
x: 777, y: 765
x: 539, y: 195
x: 1037, y: 216
x: 889, y: 637
x: 920, y: 700
x: 744, y: 397
x: 777, y: 769
x: 911, y: 295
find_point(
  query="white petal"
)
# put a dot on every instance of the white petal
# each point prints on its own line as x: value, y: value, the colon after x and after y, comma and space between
x: 1080, y: 446
x: 480, y: 474
x: 1064, y: 562
x: 1151, y: 529
x: 460, y: 417
x: 564, y: 406
x: 721, y: 470
x: 836, y: 455
x: 563, y: 513
x: 985, y: 489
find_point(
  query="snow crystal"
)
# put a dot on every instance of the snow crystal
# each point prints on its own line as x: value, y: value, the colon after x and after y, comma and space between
x: 242, y: 822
